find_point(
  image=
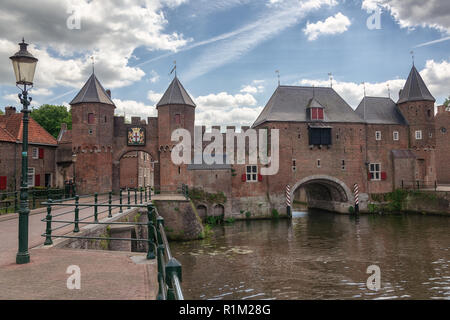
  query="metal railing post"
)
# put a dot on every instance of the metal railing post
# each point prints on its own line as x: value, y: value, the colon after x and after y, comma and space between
x: 161, y: 283
x: 76, y: 228
x: 150, y: 231
x: 48, y: 231
x: 140, y: 194
x: 95, y: 207
x: 135, y: 196
x: 121, y: 210
x: 149, y: 193
x: 435, y: 185
x: 109, y: 205
x: 34, y: 199
x: 173, y: 268
x: 16, y: 201
x: 128, y: 189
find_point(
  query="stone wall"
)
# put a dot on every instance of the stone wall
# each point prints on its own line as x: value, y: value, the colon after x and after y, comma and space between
x: 181, y: 219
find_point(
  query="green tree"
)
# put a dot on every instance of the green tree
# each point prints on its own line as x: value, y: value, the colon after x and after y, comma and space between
x: 1, y: 112
x: 447, y: 102
x: 50, y: 118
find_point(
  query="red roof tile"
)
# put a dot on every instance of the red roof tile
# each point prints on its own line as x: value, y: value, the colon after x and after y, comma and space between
x: 36, y: 134
x: 6, y: 136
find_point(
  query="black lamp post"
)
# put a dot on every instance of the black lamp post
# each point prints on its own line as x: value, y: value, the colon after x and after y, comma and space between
x: 24, y: 67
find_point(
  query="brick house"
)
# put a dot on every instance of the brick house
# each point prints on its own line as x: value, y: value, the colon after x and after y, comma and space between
x: 443, y: 144
x: 41, y: 153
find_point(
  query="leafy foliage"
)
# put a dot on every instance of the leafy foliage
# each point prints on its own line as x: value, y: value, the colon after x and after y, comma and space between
x: 50, y: 118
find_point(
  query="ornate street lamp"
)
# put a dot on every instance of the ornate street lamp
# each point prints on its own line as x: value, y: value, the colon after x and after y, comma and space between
x: 24, y: 65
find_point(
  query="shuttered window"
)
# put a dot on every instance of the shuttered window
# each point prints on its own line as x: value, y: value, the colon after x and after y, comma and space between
x: 319, y: 136
x: 3, y: 183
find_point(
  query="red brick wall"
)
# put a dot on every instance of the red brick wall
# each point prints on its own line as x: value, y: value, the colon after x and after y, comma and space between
x: 443, y: 145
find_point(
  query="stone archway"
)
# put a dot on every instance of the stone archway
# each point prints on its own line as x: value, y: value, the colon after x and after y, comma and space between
x: 142, y: 167
x: 325, y: 192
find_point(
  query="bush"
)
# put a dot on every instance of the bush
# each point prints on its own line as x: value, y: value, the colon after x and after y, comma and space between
x: 248, y: 214
x: 351, y: 210
x: 275, y: 214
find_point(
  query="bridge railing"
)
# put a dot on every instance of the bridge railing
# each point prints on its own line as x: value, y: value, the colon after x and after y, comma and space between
x: 169, y: 269
x: 419, y: 185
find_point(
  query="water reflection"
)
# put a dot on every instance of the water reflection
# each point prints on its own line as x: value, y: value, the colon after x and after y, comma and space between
x: 319, y: 255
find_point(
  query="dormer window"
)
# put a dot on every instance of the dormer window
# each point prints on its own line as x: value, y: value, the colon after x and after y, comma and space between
x: 316, y: 113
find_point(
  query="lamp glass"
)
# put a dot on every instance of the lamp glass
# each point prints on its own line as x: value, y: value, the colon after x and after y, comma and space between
x: 24, y: 69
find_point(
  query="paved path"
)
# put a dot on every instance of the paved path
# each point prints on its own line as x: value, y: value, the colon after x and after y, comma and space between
x: 105, y: 274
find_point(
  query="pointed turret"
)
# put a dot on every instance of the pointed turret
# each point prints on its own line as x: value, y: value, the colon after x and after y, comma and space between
x: 415, y: 89
x: 176, y: 94
x: 92, y: 92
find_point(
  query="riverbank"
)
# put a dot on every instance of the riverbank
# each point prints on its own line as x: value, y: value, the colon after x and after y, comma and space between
x: 403, y: 201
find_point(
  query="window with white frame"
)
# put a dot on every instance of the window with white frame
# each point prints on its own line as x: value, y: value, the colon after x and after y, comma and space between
x: 375, y: 171
x: 419, y: 135
x: 378, y: 135
x: 396, y: 136
x: 35, y: 153
x: 31, y: 175
x: 252, y: 173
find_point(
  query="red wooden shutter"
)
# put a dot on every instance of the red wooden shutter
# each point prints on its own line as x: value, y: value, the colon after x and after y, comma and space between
x: 37, y: 180
x: 244, y: 177
x: 314, y: 113
x: 383, y: 176
x: 259, y: 177
x: 2, y: 182
x: 320, y: 115
x: 41, y: 153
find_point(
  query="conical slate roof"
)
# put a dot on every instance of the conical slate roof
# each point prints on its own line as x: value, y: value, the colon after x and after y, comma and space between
x: 415, y: 89
x: 91, y: 92
x: 175, y: 94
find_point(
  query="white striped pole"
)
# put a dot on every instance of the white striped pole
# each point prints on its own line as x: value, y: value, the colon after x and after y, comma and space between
x: 288, y: 201
x: 356, y: 191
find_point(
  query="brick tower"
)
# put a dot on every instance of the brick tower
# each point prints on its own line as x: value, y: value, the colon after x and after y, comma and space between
x: 417, y: 106
x: 175, y: 110
x: 92, y: 137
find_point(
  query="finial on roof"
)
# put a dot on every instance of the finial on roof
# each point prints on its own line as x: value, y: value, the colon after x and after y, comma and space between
x: 389, y: 90
x: 413, y: 57
x: 330, y: 75
x: 93, y: 64
x: 278, y: 75
x: 174, y: 69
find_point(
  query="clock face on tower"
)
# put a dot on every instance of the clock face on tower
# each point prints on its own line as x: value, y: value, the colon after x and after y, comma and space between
x: 136, y: 136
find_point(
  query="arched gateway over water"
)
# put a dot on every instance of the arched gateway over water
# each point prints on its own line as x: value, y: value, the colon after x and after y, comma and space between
x: 325, y: 192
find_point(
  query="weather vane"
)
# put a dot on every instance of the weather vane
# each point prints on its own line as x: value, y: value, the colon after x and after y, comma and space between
x: 93, y: 64
x: 413, y: 57
x: 330, y: 75
x: 278, y: 75
x: 174, y: 68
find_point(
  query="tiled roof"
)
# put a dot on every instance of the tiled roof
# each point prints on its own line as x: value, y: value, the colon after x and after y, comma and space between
x: 36, y: 134
x: 66, y: 137
x: 176, y: 94
x: 290, y: 103
x: 415, y: 89
x: 379, y: 110
x: 6, y: 136
x: 92, y: 91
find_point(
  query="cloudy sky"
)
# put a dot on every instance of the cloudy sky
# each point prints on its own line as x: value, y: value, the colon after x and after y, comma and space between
x: 227, y: 51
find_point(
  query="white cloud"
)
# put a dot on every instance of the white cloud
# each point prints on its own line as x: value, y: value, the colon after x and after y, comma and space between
x: 413, y: 13
x: 154, y: 76
x: 436, y: 76
x: 154, y: 96
x: 111, y: 30
x: 132, y: 108
x: 255, y: 87
x: 224, y: 100
x: 336, y: 24
x: 284, y: 14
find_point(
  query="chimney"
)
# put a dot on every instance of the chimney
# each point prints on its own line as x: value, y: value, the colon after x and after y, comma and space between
x: 108, y: 92
x: 64, y: 126
x: 9, y: 111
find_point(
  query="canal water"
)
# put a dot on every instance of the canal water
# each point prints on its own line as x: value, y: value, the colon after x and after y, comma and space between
x: 319, y: 255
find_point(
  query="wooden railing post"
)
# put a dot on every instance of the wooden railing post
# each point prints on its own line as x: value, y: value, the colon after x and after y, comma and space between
x: 48, y: 231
